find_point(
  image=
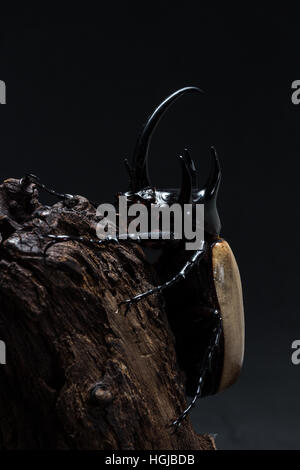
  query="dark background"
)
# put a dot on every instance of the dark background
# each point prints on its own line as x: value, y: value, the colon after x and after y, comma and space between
x: 79, y: 86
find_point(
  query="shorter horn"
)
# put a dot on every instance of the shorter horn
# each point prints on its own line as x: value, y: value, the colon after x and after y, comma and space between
x: 191, y: 165
x: 213, y: 183
x: 185, y: 195
x: 208, y: 196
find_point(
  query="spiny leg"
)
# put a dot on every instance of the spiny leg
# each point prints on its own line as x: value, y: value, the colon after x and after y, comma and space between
x: 86, y: 241
x: 206, y: 366
x: 155, y: 290
x: 96, y: 242
x: 29, y: 178
x: 137, y: 238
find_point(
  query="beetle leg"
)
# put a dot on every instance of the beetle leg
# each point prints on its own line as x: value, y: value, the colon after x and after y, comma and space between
x: 155, y: 290
x: 206, y: 366
x: 29, y: 178
x: 137, y: 238
x: 86, y: 241
x: 92, y: 241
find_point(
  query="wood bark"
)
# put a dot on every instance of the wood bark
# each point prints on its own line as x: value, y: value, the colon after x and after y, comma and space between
x: 79, y: 373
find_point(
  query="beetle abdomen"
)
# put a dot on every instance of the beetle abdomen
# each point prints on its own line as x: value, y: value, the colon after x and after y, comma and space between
x: 230, y: 298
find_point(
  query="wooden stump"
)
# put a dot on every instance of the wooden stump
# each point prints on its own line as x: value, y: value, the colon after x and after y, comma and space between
x: 79, y: 374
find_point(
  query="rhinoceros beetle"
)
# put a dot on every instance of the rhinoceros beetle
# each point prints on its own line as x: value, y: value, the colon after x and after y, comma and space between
x: 201, y: 289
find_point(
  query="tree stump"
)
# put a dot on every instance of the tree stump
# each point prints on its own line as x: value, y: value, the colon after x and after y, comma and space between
x: 79, y: 374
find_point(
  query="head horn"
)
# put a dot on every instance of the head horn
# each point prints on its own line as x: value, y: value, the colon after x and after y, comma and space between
x: 140, y: 177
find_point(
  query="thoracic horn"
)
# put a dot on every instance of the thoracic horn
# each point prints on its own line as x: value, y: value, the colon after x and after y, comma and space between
x: 214, y: 179
x: 185, y: 195
x: 191, y: 166
x: 140, y: 176
x: 208, y: 196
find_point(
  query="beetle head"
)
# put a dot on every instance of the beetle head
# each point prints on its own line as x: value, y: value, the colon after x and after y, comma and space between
x: 143, y: 192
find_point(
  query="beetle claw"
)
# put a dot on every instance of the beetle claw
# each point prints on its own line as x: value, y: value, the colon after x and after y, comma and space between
x: 128, y: 303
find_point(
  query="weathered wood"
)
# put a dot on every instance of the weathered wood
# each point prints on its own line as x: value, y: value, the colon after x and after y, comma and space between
x: 79, y: 375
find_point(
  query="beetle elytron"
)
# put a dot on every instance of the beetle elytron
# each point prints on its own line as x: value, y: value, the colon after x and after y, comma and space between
x: 205, y: 309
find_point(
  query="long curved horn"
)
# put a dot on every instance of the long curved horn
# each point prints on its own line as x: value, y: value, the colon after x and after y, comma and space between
x: 139, y: 161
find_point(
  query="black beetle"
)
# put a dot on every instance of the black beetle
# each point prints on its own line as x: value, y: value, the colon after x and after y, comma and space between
x: 202, y: 289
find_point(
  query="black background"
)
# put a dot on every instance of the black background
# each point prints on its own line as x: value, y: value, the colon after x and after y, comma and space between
x: 79, y: 86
